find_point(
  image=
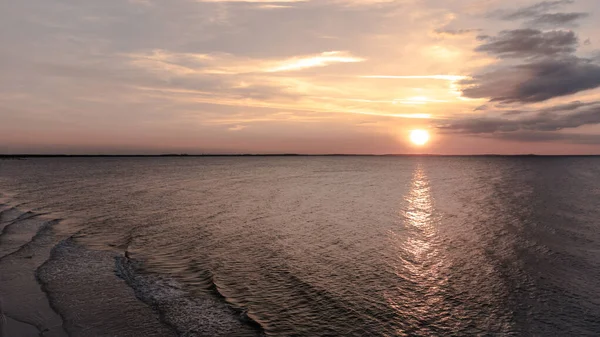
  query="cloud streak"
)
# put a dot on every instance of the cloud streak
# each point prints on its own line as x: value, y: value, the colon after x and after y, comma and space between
x: 524, y: 43
x: 532, y: 11
x: 418, y: 77
x: 535, y: 81
x: 321, y: 60
x: 557, y: 19
x: 541, y: 125
x: 228, y: 64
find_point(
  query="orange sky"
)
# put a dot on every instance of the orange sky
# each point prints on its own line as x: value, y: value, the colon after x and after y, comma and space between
x: 321, y: 76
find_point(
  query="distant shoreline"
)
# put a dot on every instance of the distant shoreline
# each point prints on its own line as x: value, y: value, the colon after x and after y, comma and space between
x: 25, y: 156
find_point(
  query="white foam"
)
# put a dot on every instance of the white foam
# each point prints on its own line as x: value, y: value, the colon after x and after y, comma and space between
x: 190, y: 315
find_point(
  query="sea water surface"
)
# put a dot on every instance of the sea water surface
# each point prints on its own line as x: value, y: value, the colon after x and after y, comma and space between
x: 307, y: 246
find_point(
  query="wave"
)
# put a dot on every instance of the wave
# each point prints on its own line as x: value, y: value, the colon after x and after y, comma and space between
x: 25, y: 242
x: 190, y: 314
x: 79, y: 285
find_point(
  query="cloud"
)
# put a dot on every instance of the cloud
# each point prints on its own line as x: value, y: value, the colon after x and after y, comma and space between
x: 549, y: 67
x: 416, y: 77
x: 321, y: 60
x: 534, y: 136
x: 542, y: 125
x: 538, y: 15
x: 556, y: 19
x: 455, y: 32
x: 237, y: 127
x: 532, y: 11
x: 253, y: 1
x: 568, y: 107
x: 536, y: 81
x: 529, y: 43
x: 228, y: 64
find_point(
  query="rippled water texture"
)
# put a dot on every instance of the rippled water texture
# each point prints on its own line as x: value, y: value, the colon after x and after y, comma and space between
x: 318, y: 246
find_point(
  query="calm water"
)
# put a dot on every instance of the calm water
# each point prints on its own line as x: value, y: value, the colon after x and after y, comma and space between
x: 318, y: 246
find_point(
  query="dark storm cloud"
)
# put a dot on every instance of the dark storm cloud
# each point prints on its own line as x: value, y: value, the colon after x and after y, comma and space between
x: 532, y: 11
x: 557, y: 19
x: 529, y: 43
x: 535, y: 81
x: 566, y: 116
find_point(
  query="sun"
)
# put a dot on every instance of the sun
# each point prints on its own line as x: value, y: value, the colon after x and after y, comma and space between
x: 419, y: 137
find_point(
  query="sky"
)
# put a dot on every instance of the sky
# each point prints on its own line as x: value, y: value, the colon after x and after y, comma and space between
x: 314, y: 76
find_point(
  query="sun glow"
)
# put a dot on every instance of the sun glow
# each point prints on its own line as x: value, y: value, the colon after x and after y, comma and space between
x: 419, y: 137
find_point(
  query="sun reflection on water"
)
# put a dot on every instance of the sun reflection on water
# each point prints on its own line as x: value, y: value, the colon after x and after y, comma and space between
x: 418, y: 294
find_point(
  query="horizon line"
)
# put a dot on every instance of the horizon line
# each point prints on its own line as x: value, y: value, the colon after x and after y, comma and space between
x: 60, y: 155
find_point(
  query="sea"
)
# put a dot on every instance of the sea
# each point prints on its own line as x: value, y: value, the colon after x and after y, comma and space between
x: 301, y: 246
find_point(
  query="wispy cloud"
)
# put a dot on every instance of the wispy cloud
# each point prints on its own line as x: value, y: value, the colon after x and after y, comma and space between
x: 531, y: 11
x: 418, y: 100
x: 228, y: 64
x: 270, y: 2
x: 412, y: 77
x: 542, y: 124
x: 455, y: 32
x: 529, y: 43
x: 557, y: 19
x: 321, y: 60
x: 237, y: 128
